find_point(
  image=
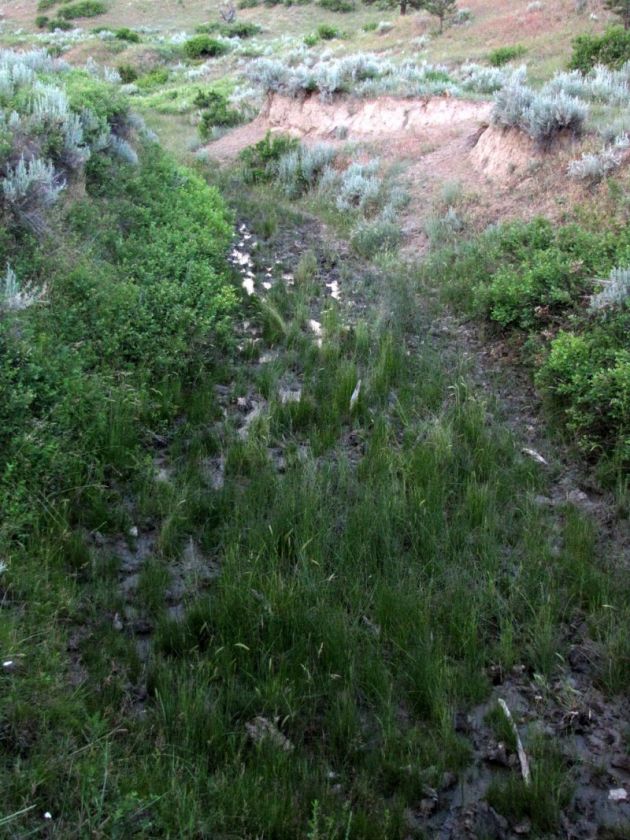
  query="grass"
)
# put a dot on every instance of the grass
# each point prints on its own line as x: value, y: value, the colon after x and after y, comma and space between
x: 362, y: 594
x: 364, y: 590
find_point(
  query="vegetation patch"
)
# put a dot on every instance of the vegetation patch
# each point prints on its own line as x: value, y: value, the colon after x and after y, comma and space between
x: 503, y: 55
x: 612, y: 49
x: 238, y: 29
x: 203, y: 46
x: 83, y: 9
x: 215, y: 112
x: 532, y: 278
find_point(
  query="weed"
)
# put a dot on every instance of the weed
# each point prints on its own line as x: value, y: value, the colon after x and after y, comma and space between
x: 203, y: 46
x: 542, y: 801
x: 503, y: 55
x: 84, y: 8
x: 611, y: 49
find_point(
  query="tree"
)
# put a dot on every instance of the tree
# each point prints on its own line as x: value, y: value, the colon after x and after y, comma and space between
x: 442, y: 8
x: 621, y: 8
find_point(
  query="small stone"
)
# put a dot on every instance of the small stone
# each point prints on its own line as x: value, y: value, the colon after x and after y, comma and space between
x: 577, y: 497
x: 117, y: 623
x: 618, y: 795
x: 523, y: 827
x: 133, y: 532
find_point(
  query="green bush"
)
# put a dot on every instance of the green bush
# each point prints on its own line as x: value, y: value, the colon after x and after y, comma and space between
x: 59, y: 23
x: 239, y: 29
x: 611, y: 49
x: 136, y: 298
x: 128, y: 73
x: 44, y: 5
x: 217, y: 111
x: 338, y: 5
x: 311, y: 40
x: 154, y: 78
x: 503, y: 55
x: 537, y: 278
x: 258, y: 160
x: 587, y: 375
x: 42, y: 21
x: 372, y: 26
x: 83, y: 9
x: 202, y: 46
x: 327, y: 32
x: 126, y: 34
x: 371, y: 238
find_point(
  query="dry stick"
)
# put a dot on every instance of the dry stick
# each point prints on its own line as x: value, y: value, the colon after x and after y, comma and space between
x: 522, y: 755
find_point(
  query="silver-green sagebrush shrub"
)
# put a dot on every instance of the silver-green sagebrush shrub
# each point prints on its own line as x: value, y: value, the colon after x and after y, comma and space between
x: 601, y: 84
x: 31, y: 183
x: 365, y: 74
x: 13, y: 297
x: 615, y: 290
x: 595, y: 166
x: 359, y: 187
x: 541, y: 116
x: 301, y: 169
x: 479, y: 79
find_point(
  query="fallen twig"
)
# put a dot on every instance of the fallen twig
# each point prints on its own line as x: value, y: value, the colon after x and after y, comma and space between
x: 522, y: 755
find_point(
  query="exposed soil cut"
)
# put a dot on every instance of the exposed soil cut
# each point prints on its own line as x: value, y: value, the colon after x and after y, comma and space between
x: 502, y: 173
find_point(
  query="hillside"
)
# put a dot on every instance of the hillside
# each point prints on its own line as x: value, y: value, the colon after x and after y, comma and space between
x: 314, y: 421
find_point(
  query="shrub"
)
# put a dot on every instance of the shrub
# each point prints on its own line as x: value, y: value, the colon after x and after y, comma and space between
x: 238, y: 29
x: 29, y: 187
x: 338, y: 5
x: 594, y: 167
x: 326, y: 32
x: 371, y: 26
x: 217, y: 112
x: 462, y: 16
x: 475, y: 77
x: 127, y: 73
x: 59, y: 23
x: 202, y: 46
x: 611, y: 49
x: 259, y: 160
x: 503, y: 55
x: 371, y: 238
x: 85, y: 8
x: 311, y: 40
x: 126, y: 34
x: 42, y: 21
x: 154, y: 78
x: 300, y: 169
x: 615, y: 291
x: 587, y: 375
x: 599, y: 84
x: 359, y: 187
x: 542, y: 116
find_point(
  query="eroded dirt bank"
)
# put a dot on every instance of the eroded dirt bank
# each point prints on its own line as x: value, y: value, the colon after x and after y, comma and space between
x: 501, y: 173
